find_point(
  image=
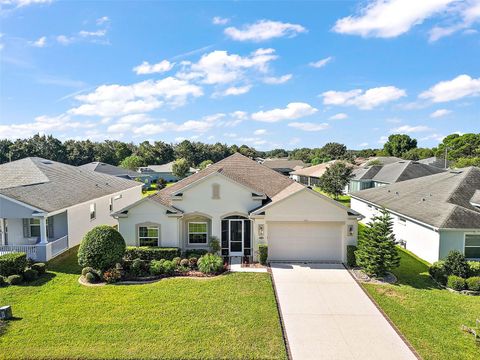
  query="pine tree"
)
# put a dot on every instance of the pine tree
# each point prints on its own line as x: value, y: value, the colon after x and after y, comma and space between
x: 377, y: 253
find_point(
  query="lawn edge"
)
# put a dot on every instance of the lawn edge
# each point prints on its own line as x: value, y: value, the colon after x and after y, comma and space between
x: 384, y: 314
x: 279, y: 311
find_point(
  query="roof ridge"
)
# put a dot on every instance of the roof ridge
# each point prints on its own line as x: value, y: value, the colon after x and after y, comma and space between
x: 450, y: 195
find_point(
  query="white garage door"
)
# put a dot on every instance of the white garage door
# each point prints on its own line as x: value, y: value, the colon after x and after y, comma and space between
x: 304, y: 241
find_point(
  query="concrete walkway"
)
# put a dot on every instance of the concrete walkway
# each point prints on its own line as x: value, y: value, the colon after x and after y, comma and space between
x: 328, y: 316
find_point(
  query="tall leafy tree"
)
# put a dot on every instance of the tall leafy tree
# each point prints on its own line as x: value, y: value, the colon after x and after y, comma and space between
x: 132, y: 162
x: 377, y: 253
x: 335, y: 178
x: 399, y: 144
x: 460, y: 146
x: 5, y: 150
x: 79, y: 152
x: 180, y: 168
x: 334, y: 150
x: 156, y: 153
x: 204, y: 164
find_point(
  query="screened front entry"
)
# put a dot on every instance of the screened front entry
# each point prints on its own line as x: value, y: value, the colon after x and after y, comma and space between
x: 236, y: 236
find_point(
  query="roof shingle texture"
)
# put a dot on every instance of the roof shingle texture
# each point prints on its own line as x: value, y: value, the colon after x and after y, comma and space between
x: 109, y: 169
x: 238, y: 168
x: 441, y: 200
x: 166, y: 168
x: 404, y: 170
x: 283, y: 164
x: 51, y: 186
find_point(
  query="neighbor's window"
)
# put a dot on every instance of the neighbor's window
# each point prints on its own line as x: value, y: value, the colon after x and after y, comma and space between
x: 93, y: 211
x: 215, y: 191
x: 402, y: 221
x: 110, y: 204
x: 472, y: 246
x: 148, y: 235
x: 197, y: 233
x: 34, y: 227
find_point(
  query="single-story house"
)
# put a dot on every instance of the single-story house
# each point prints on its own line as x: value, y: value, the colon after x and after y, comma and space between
x: 372, y: 176
x: 436, y: 161
x: 243, y: 204
x: 283, y: 165
x: 311, y: 175
x: 433, y: 214
x: 118, y: 171
x: 162, y: 172
x: 46, y: 207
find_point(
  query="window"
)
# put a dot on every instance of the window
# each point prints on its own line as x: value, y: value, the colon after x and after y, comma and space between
x: 402, y: 221
x: 197, y: 233
x: 472, y: 246
x: 110, y: 204
x: 34, y: 227
x: 93, y: 211
x: 215, y: 191
x: 148, y: 236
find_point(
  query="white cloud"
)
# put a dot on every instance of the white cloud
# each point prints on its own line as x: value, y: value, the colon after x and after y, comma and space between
x: 277, y: 80
x: 390, y: 18
x: 439, y: 113
x: 234, y: 90
x: 65, y: 40
x: 364, y: 100
x: 40, y: 43
x: 393, y: 120
x: 217, y: 20
x: 292, y: 111
x: 449, y: 90
x: 23, y: 3
x: 339, y: 116
x: 147, y: 68
x: 102, y: 20
x: 407, y: 129
x: 308, y: 126
x: 259, y: 132
x: 264, y: 30
x: 434, y: 136
x: 97, y: 33
x: 321, y: 63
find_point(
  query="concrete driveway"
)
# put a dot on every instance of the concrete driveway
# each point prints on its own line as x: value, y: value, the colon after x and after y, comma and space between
x: 328, y: 316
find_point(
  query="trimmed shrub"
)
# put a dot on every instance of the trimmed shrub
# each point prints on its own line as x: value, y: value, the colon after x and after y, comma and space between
x: 156, y: 267
x: 139, y: 267
x: 214, y: 245
x: 149, y: 253
x: 168, y: 267
x: 185, y: 263
x: 90, y: 277
x: 15, y: 279
x: 455, y: 264
x: 473, y: 268
x: 177, y: 260
x: 456, y: 283
x: 210, y: 264
x: 112, y: 275
x: 193, y: 262
x: 40, y: 267
x: 101, y: 248
x: 351, y: 260
x: 30, y: 275
x: 473, y: 283
x: 195, y: 253
x: 263, y: 253
x: 3, y: 281
x: 87, y: 270
x: 13, y: 263
x: 438, y: 272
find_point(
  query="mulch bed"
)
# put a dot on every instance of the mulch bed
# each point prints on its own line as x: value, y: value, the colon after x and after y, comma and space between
x: 362, y: 277
x: 254, y: 265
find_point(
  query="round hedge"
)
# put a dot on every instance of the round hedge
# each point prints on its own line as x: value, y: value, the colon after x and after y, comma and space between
x: 101, y: 248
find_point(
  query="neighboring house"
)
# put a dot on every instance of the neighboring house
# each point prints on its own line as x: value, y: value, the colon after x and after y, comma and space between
x: 162, y: 171
x: 435, y: 161
x: 367, y: 177
x: 283, y: 165
x: 243, y: 204
x: 432, y: 214
x: 311, y: 175
x: 46, y: 207
x: 117, y: 171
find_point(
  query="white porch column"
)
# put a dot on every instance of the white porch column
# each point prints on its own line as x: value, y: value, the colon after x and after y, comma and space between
x: 2, y: 231
x: 43, y: 230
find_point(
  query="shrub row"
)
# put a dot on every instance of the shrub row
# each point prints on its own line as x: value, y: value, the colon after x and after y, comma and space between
x: 197, y: 253
x: 457, y: 283
x: 148, y: 253
x: 351, y: 259
x: 457, y: 273
x: 263, y: 253
x: 13, y: 263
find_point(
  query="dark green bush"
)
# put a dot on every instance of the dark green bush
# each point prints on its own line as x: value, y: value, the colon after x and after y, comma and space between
x: 456, y: 283
x: 15, y: 279
x: 473, y: 283
x: 263, y: 253
x: 351, y: 260
x: 40, y: 267
x: 139, y: 267
x: 438, y: 272
x: 156, y: 267
x: 195, y: 253
x: 101, y: 248
x: 90, y: 277
x: 148, y: 253
x: 473, y: 268
x: 210, y: 264
x: 30, y: 275
x: 455, y: 264
x: 3, y: 281
x: 13, y: 263
x: 168, y: 267
x: 87, y: 270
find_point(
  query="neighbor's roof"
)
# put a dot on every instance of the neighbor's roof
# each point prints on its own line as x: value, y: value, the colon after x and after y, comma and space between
x: 284, y: 164
x: 475, y: 198
x: 51, y: 186
x: 240, y: 169
x: 366, y: 172
x: 166, y: 168
x: 316, y: 170
x: 440, y: 200
x: 384, y: 160
x: 404, y: 170
x: 434, y: 161
x: 109, y: 169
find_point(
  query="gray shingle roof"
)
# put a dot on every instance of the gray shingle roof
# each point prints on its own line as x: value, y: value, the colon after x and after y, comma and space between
x: 165, y: 168
x: 476, y: 198
x: 366, y: 172
x: 238, y: 168
x: 109, y: 169
x: 441, y: 200
x: 404, y: 170
x: 284, y: 164
x: 51, y: 186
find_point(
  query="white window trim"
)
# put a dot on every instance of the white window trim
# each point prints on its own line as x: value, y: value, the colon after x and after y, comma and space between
x: 30, y: 225
x: 464, y: 244
x: 147, y: 237
x: 206, y: 233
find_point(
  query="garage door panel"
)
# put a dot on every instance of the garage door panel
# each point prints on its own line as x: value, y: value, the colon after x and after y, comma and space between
x: 304, y: 241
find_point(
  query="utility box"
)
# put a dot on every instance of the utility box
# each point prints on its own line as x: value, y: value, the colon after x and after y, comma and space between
x: 6, y: 312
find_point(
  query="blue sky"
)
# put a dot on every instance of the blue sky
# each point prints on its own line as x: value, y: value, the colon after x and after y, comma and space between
x: 266, y: 74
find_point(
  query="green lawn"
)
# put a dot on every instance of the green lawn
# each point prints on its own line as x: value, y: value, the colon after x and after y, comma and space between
x: 343, y: 199
x: 231, y: 316
x: 429, y: 317
x: 153, y: 189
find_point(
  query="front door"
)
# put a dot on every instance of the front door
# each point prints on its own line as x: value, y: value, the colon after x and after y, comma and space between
x: 236, y: 237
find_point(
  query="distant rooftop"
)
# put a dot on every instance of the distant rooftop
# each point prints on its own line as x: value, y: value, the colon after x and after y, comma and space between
x: 109, y: 169
x: 165, y: 168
